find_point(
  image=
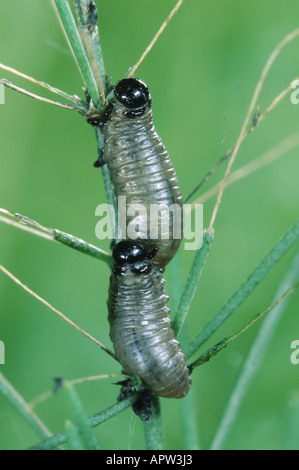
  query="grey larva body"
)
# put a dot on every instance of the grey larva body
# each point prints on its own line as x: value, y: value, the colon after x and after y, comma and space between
x: 141, y: 169
x: 141, y: 332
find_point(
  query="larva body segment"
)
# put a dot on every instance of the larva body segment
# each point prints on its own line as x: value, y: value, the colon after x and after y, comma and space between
x: 140, y: 329
x: 141, y: 169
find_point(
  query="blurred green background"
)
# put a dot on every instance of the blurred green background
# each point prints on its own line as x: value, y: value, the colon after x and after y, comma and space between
x: 201, y: 75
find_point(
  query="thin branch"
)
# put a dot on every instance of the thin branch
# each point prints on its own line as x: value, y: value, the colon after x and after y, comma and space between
x: 274, y: 103
x: 246, y: 288
x: 8, y: 84
x: 18, y: 402
x: 87, y: 14
x: 74, y: 440
x: 71, y: 32
x: 49, y: 393
x: 30, y: 225
x: 269, y: 63
x: 79, y: 417
x: 26, y: 228
x: 214, y: 350
x: 75, y: 99
x: 156, y: 37
x: 254, y: 358
x: 187, y: 407
x: 99, y: 418
x: 60, y: 314
x: 153, y: 429
x: 23, y: 221
x: 90, y: 52
x: 257, y: 120
x: 281, y: 149
x: 192, y: 282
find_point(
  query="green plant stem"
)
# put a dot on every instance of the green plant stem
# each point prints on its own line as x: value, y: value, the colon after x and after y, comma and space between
x: 254, y: 358
x: 73, y: 436
x: 25, y: 223
x: 153, y: 430
x: 109, y: 187
x: 80, y: 418
x: 93, y: 421
x: 187, y: 405
x: 192, y: 281
x: 30, y: 225
x: 211, y: 352
x: 291, y: 437
x: 265, y: 266
x: 82, y: 246
x: 90, y: 64
x: 87, y: 14
x: 76, y: 45
x: 19, y: 404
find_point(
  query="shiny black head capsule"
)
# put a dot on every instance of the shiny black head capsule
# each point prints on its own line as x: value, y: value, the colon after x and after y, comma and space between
x: 133, y: 94
x: 129, y: 252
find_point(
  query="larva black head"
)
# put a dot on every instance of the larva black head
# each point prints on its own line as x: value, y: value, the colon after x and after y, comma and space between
x: 133, y: 94
x: 129, y: 252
